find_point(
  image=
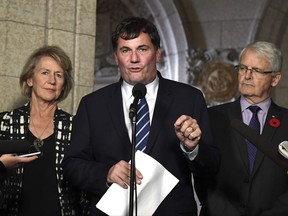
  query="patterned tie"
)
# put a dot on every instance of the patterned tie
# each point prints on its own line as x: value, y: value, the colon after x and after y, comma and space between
x: 255, y: 124
x: 142, y: 125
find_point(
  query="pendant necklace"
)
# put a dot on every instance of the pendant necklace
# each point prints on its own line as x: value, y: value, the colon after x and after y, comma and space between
x: 38, y: 141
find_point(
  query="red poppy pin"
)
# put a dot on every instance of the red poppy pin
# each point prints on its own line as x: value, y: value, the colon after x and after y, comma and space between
x: 274, y: 122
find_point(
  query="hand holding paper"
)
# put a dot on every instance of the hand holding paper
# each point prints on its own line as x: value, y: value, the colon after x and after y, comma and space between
x: 156, y: 185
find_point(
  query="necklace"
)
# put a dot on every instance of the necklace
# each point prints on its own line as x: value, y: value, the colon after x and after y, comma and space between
x: 38, y: 141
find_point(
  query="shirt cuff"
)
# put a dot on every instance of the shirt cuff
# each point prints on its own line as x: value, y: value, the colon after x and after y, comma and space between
x: 190, y: 154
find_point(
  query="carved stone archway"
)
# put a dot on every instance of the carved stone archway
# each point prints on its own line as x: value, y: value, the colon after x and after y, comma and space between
x: 273, y: 27
x: 174, y: 41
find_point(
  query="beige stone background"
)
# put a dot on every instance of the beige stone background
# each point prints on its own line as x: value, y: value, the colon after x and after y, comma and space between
x: 28, y: 24
x: 190, y: 30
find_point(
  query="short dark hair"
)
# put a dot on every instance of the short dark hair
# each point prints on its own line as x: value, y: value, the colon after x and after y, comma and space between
x: 131, y: 28
x: 59, y: 56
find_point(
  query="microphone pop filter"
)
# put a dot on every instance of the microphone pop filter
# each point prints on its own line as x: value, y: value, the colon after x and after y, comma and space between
x: 139, y: 90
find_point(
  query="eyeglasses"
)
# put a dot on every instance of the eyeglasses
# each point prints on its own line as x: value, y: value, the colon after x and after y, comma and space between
x: 256, y: 72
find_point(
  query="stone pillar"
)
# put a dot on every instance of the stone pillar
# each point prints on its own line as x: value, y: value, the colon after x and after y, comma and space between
x: 28, y: 24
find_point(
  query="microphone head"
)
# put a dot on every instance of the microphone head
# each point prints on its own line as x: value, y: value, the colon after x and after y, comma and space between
x: 139, y: 90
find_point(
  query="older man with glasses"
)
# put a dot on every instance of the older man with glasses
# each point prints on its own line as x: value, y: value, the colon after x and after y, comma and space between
x: 249, y: 182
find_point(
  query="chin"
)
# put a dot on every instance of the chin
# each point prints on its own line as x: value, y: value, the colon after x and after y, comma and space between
x: 135, y: 81
x: 246, y: 90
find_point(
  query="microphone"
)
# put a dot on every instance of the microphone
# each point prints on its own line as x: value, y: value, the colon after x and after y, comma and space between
x: 139, y: 91
x: 261, y: 143
x: 14, y: 146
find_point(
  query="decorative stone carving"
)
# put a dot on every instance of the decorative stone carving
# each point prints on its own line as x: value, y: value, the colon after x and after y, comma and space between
x: 218, y: 81
x: 213, y: 72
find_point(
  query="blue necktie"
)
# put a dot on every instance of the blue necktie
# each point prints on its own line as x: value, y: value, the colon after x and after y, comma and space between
x: 255, y: 124
x: 142, y: 125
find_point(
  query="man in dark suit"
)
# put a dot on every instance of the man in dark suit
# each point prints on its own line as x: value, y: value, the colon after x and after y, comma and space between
x: 256, y: 187
x: 179, y: 138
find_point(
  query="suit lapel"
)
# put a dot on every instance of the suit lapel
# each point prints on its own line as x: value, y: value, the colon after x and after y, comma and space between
x: 162, y: 105
x: 235, y: 113
x: 117, y: 115
x: 268, y: 132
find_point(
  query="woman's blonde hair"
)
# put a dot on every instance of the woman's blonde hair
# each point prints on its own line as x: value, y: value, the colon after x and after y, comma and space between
x: 59, y: 56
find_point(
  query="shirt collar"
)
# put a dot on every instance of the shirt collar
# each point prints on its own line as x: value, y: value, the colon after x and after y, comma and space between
x: 264, y: 105
x: 151, y: 87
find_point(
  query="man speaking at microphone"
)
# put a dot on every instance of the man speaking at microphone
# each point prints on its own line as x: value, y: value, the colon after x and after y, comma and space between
x: 249, y: 183
x: 179, y: 134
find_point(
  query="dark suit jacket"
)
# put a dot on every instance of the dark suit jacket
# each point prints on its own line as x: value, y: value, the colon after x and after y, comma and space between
x: 234, y: 192
x: 100, y: 140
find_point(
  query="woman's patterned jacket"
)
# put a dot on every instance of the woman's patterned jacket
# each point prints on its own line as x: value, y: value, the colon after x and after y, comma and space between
x: 14, y: 125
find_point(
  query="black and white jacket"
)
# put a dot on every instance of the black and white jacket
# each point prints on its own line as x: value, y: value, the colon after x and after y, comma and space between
x: 14, y: 125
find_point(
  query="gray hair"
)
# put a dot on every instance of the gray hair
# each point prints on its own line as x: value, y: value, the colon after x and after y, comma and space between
x: 269, y: 51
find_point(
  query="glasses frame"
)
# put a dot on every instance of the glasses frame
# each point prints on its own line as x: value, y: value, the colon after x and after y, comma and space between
x: 243, y: 69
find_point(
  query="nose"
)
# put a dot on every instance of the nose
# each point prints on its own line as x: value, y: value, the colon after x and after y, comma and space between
x: 134, y: 56
x: 248, y: 73
x: 52, y: 79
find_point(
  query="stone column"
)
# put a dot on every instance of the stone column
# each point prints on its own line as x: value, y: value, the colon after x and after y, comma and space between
x: 28, y: 24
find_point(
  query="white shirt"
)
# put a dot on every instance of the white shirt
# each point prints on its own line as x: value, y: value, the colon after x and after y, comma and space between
x: 151, y: 95
x: 152, y: 89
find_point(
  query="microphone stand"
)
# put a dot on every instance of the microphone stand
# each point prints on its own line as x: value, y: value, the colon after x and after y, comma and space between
x: 138, y: 91
x: 133, y: 118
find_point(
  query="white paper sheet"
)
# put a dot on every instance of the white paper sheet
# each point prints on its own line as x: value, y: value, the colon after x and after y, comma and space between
x: 156, y: 185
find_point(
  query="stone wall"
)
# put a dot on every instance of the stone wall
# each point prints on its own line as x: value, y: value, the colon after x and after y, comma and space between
x: 184, y: 26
